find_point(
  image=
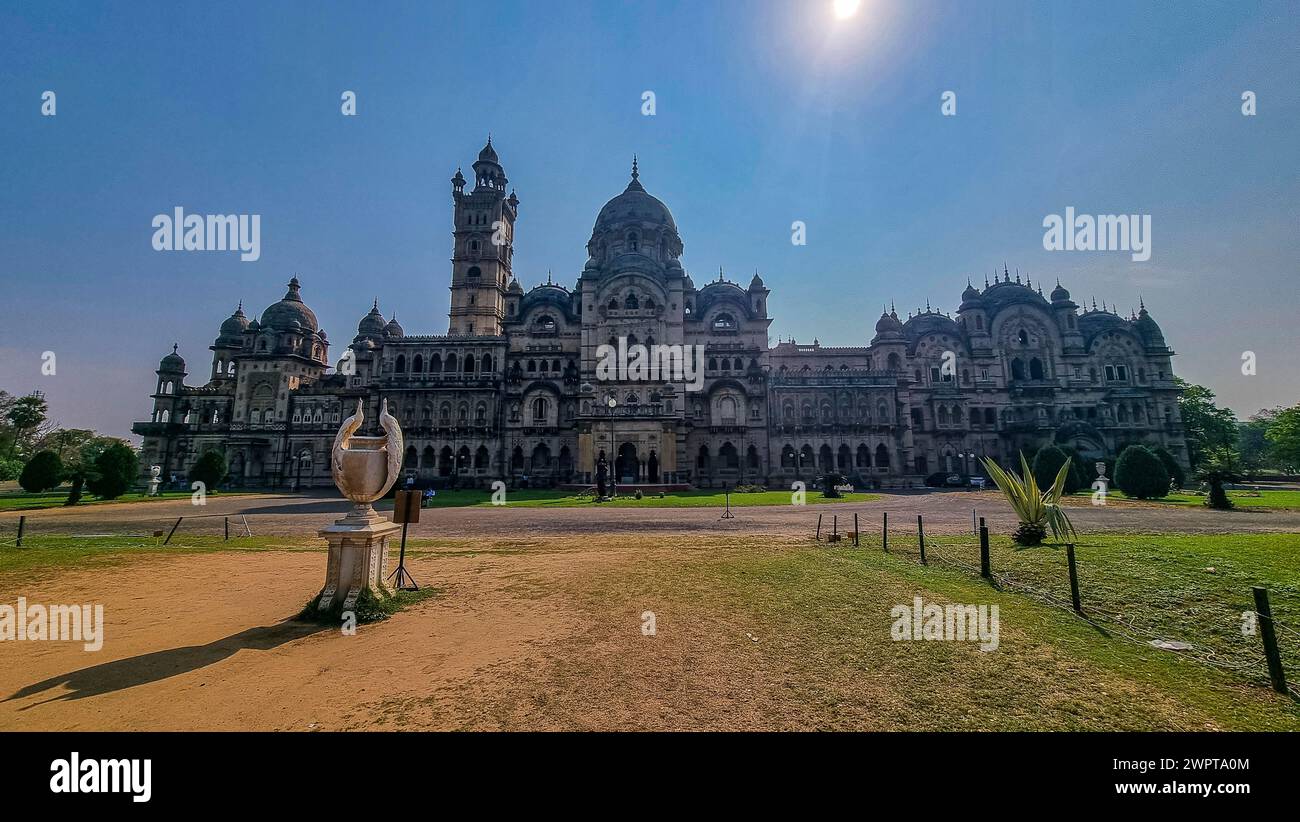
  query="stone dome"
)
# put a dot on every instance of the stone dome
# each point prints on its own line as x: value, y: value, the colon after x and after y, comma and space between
x: 232, y: 330
x: 173, y: 361
x: 888, y: 324
x: 394, y: 329
x: 290, y: 314
x: 1060, y: 294
x: 634, y: 206
x: 372, y: 325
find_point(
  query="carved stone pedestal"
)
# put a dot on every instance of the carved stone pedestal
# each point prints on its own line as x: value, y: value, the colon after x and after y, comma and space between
x: 358, y: 558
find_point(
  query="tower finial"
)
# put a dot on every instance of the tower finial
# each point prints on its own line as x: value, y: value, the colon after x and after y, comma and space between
x: 175, y: 346
x: 635, y: 172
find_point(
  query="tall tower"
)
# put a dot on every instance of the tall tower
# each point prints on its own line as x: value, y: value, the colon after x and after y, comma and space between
x: 483, y: 246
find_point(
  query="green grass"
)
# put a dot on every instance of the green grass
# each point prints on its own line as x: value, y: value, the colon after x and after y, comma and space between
x: 43, y: 553
x: 1275, y: 500
x: 1189, y: 587
x: 547, y: 498
x: 23, y: 501
x: 806, y: 629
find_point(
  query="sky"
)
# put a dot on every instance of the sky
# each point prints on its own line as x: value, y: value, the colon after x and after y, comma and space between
x: 766, y: 113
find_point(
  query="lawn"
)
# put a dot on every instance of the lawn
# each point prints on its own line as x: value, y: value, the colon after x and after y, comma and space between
x: 547, y: 498
x: 1273, y: 500
x: 797, y: 636
x: 23, y: 501
x: 785, y: 633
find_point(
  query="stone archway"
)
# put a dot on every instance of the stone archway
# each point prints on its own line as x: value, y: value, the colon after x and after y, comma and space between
x: 626, y: 466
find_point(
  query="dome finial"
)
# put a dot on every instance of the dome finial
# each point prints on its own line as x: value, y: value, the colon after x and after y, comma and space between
x: 635, y: 172
x: 175, y: 346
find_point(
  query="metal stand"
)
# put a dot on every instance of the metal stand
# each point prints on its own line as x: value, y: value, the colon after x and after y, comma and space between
x: 726, y: 513
x: 404, y: 581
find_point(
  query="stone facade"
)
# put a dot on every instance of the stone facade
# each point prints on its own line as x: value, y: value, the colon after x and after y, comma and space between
x: 511, y: 391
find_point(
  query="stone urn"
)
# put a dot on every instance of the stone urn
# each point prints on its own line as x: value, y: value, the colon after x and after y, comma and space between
x: 364, y: 468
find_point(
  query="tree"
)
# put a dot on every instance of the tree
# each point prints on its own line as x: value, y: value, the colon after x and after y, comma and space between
x: 1205, y: 425
x: 1047, y: 464
x: 25, y: 416
x: 209, y: 469
x: 1254, y: 448
x: 1219, y: 467
x: 1140, y: 474
x: 10, y: 468
x: 1284, y: 433
x: 116, y: 469
x: 42, y: 472
x: 1177, y: 476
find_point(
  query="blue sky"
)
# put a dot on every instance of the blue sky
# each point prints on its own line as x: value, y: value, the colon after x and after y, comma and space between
x: 767, y: 112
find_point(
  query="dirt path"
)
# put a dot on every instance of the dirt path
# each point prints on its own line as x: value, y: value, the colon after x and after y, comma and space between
x: 229, y: 659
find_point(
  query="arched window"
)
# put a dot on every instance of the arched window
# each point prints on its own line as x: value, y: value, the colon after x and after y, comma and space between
x: 541, y: 456
x: 468, y: 365
x: 843, y: 458
x: 417, y: 365
x: 727, y: 454
x: 613, y: 303
x: 863, y: 459
x: 1017, y: 369
x: 486, y: 365
x: 631, y: 303
x: 481, y: 457
x: 787, y: 457
x: 1035, y: 369
x: 882, y: 456
x: 702, y: 459
x: 400, y: 365
x: 411, y: 460
x: 474, y: 272
x: 428, y: 458
x: 435, y: 364
x: 450, y: 364
x: 727, y: 410
x: 540, y: 408
x: 825, y: 458
x: 1023, y: 337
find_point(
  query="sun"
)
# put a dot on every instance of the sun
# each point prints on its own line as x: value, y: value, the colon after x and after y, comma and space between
x: 844, y: 9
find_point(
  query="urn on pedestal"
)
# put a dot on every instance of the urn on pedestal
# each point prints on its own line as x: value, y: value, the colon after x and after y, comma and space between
x: 364, y: 468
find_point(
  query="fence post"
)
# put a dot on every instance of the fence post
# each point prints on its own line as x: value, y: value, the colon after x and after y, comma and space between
x: 1074, y: 577
x: 819, y: 528
x: 986, y: 570
x: 1275, y: 670
x: 884, y: 532
x: 226, y: 523
x: 855, y: 529
x: 175, y: 525
x: 835, y: 527
x: 973, y: 529
x: 22, y: 526
x: 920, y: 533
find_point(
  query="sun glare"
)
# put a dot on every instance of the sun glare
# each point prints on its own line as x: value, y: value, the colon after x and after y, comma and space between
x: 844, y: 9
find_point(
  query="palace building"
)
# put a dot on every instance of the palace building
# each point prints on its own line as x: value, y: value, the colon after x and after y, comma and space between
x: 511, y: 391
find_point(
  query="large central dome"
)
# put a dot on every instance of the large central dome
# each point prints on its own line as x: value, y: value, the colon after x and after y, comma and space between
x: 634, y: 206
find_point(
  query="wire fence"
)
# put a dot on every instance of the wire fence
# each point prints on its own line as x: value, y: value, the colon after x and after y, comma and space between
x: 1247, y: 657
x: 25, y: 531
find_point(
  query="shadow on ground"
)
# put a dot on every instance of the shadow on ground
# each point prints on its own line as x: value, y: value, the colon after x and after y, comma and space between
x: 153, y: 667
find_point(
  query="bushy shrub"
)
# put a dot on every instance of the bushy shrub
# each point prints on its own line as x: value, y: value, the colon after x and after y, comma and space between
x: 42, y: 472
x: 1048, y: 462
x: 1177, y: 476
x: 828, y: 483
x: 1140, y: 474
x: 115, y: 471
x: 209, y: 469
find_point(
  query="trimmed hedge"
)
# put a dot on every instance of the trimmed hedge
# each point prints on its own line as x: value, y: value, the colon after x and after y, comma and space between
x: 1140, y: 474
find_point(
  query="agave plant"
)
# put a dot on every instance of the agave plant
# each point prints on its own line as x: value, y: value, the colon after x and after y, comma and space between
x: 1037, y: 510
